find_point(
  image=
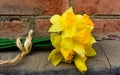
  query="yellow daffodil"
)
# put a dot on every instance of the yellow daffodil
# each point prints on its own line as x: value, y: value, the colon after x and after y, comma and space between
x: 79, y: 42
x: 60, y: 54
x: 72, y: 39
x: 60, y: 23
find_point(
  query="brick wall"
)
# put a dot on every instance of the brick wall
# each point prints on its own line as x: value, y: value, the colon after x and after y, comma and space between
x: 17, y: 17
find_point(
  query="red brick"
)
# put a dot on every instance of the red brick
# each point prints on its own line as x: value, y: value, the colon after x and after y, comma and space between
x: 106, y: 26
x: 33, y: 7
x: 41, y: 28
x: 97, y: 6
x: 12, y: 29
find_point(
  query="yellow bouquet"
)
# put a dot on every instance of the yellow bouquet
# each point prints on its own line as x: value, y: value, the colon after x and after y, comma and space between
x: 72, y: 39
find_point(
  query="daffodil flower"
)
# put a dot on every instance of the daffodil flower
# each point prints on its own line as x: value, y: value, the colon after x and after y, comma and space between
x: 72, y: 39
x: 60, y: 23
x: 68, y: 19
x: 80, y: 43
x: 61, y: 54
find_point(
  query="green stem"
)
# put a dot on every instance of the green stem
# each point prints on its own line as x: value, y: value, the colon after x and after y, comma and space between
x: 37, y: 42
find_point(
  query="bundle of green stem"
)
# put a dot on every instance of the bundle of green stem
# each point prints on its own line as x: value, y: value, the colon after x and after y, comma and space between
x: 24, y: 46
x: 37, y: 42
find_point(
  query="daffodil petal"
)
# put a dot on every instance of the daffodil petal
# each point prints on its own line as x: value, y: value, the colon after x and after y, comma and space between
x: 90, y: 51
x: 52, y: 53
x: 55, y: 19
x: 56, y: 24
x: 92, y: 40
x: 55, y: 39
x: 84, y: 59
x: 56, y: 59
x: 79, y: 16
x: 81, y: 66
x: 88, y: 20
x: 67, y: 43
x: 67, y: 12
x: 79, y: 49
x: 55, y: 28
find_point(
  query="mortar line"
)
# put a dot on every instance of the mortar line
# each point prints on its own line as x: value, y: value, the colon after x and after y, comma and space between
x: 70, y: 3
x: 41, y: 16
x: 48, y: 16
x: 106, y: 58
x: 104, y: 17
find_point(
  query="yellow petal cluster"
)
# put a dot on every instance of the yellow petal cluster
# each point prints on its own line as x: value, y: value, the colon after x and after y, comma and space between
x: 72, y: 39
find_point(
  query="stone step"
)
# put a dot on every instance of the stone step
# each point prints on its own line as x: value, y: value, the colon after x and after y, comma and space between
x: 106, y: 62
